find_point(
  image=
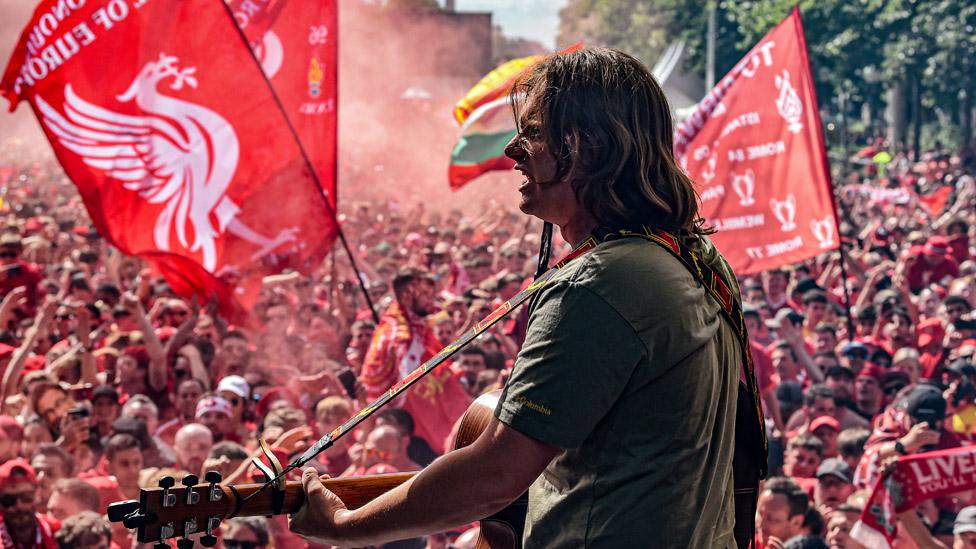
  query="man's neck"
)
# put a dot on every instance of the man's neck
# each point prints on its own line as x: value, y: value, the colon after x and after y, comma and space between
x: 577, y: 229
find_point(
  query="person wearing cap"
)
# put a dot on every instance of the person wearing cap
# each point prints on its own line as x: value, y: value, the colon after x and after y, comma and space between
x: 835, y: 483
x: 20, y: 522
x: 867, y: 392
x: 854, y: 355
x: 933, y: 264
x: 913, y: 424
x: 215, y: 413
x: 236, y: 390
x: 105, y: 409
x: 826, y: 428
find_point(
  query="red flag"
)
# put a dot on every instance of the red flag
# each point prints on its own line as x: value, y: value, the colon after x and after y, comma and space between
x: 755, y: 148
x: 297, y: 45
x: 159, y: 114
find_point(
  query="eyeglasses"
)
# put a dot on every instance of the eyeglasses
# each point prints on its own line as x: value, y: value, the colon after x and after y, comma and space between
x: 180, y: 374
x: 893, y: 389
x: 177, y: 312
x: 8, y: 255
x: 9, y: 500
x: 239, y: 544
x: 64, y: 317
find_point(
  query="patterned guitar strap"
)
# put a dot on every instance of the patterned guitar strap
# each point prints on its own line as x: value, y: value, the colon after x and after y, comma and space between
x: 749, y: 463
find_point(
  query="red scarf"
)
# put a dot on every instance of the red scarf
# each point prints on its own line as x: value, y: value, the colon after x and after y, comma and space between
x: 915, y: 479
x: 439, y: 399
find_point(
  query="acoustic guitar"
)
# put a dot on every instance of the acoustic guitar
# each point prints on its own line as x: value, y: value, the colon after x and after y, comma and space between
x: 184, y: 512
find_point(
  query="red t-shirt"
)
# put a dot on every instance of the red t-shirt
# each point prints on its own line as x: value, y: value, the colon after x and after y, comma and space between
x: 922, y: 273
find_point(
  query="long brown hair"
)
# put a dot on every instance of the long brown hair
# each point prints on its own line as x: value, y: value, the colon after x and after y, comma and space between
x: 608, y: 123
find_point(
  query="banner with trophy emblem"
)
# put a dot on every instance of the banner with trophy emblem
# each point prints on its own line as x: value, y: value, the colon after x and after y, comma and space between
x: 755, y: 149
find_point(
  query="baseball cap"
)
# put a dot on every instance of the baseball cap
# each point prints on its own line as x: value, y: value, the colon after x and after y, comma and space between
x: 855, y: 346
x: 838, y: 468
x: 965, y: 520
x: 18, y: 466
x: 925, y: 403
x: 105, y: 391
x: 895, y: 374
x: 824, y: 421
x: 838, y: 370
x: 235, y: 384
x: 937, y: 245
x: 213, y: 404
x: 871, y: 370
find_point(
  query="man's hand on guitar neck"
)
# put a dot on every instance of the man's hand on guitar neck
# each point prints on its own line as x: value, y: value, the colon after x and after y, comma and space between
x: 317, y: 519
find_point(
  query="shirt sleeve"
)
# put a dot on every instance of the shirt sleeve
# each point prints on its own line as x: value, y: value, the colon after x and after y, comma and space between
x: 578, y: 356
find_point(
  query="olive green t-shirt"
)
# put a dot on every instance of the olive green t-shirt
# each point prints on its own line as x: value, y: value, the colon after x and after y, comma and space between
x: 629, y: 367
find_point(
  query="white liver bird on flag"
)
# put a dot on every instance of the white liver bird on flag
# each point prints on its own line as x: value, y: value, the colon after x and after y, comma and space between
x: 175, y: 153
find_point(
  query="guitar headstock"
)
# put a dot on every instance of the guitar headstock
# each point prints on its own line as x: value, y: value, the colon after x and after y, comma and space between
x: 177, y: 511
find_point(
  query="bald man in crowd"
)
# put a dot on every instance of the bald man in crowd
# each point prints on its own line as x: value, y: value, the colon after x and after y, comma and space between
x: 192, y: 445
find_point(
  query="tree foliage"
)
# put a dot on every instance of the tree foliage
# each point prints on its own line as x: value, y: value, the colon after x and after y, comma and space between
x: 858, y: 49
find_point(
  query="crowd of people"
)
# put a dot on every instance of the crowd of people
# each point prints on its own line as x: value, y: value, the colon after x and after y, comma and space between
x: 110, y: 381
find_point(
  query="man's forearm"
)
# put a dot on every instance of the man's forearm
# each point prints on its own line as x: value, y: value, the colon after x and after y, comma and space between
x: 454, y: 490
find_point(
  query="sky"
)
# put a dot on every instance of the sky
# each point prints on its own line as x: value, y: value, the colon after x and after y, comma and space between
x: 534, y: 19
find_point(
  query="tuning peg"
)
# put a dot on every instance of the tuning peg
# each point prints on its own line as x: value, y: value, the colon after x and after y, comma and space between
x: 135, y: 519
x: 208, y: 540
x: 184, y: 544
x: 191, y: 496
x: 117, y: 511
x: 214, y: 492
x: 167, y: 482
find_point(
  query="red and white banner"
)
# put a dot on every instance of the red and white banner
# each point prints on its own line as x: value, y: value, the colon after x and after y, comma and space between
x: 159, y: 114
x: 296, y: 43
x: 755, y: 148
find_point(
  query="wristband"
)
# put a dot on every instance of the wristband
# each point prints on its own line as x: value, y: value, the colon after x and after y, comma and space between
x: 900, y: 448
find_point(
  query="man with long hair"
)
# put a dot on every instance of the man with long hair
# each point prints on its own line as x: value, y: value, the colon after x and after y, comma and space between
x: 619, y: 417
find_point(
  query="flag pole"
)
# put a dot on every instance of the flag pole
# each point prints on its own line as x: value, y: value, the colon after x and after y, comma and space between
x: 308, y: 162
x: 801, y: 37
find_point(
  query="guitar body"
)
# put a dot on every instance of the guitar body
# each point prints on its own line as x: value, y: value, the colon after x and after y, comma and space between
x: 172, y: 511
x: 503, y: 530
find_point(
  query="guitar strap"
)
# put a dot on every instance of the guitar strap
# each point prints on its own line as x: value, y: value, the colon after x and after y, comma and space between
x: 749, y: 462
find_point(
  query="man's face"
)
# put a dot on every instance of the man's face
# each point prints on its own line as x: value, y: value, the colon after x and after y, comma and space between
x: 187, y: 395
x: 785, y: 365
x: 383, y: 445
x: 965, y: 540
x: 361, y: 337
x: 828, y: 436
x: 236, y: 403
x: 867, y: 389
x: 822, y: 406
x: 831, y: 491
x: 234, y: 349
x: 801, y: 462
x: 125, y: 465
x: 9, y: 255
x: 421, y: 297
x: 825, y: 341
x: 839, y: 532
x: 278, y: 319
x: 191, y: 450
x: 105, y: 411
x: 814, y: 312
x: 217, y: 422
x: 17, y: 504
x: 954, y: 311
x: 541, y: 195
x: 49, y: 469
x: 773, y: 518
x: 775, y: 284
x: 62, y: 506
x: 472, y: 365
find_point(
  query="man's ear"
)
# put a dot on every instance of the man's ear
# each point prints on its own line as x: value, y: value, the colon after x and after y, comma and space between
x: 796, y: 522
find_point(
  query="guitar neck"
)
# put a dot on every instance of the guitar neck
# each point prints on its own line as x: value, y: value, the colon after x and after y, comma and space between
x: 354, y: 493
